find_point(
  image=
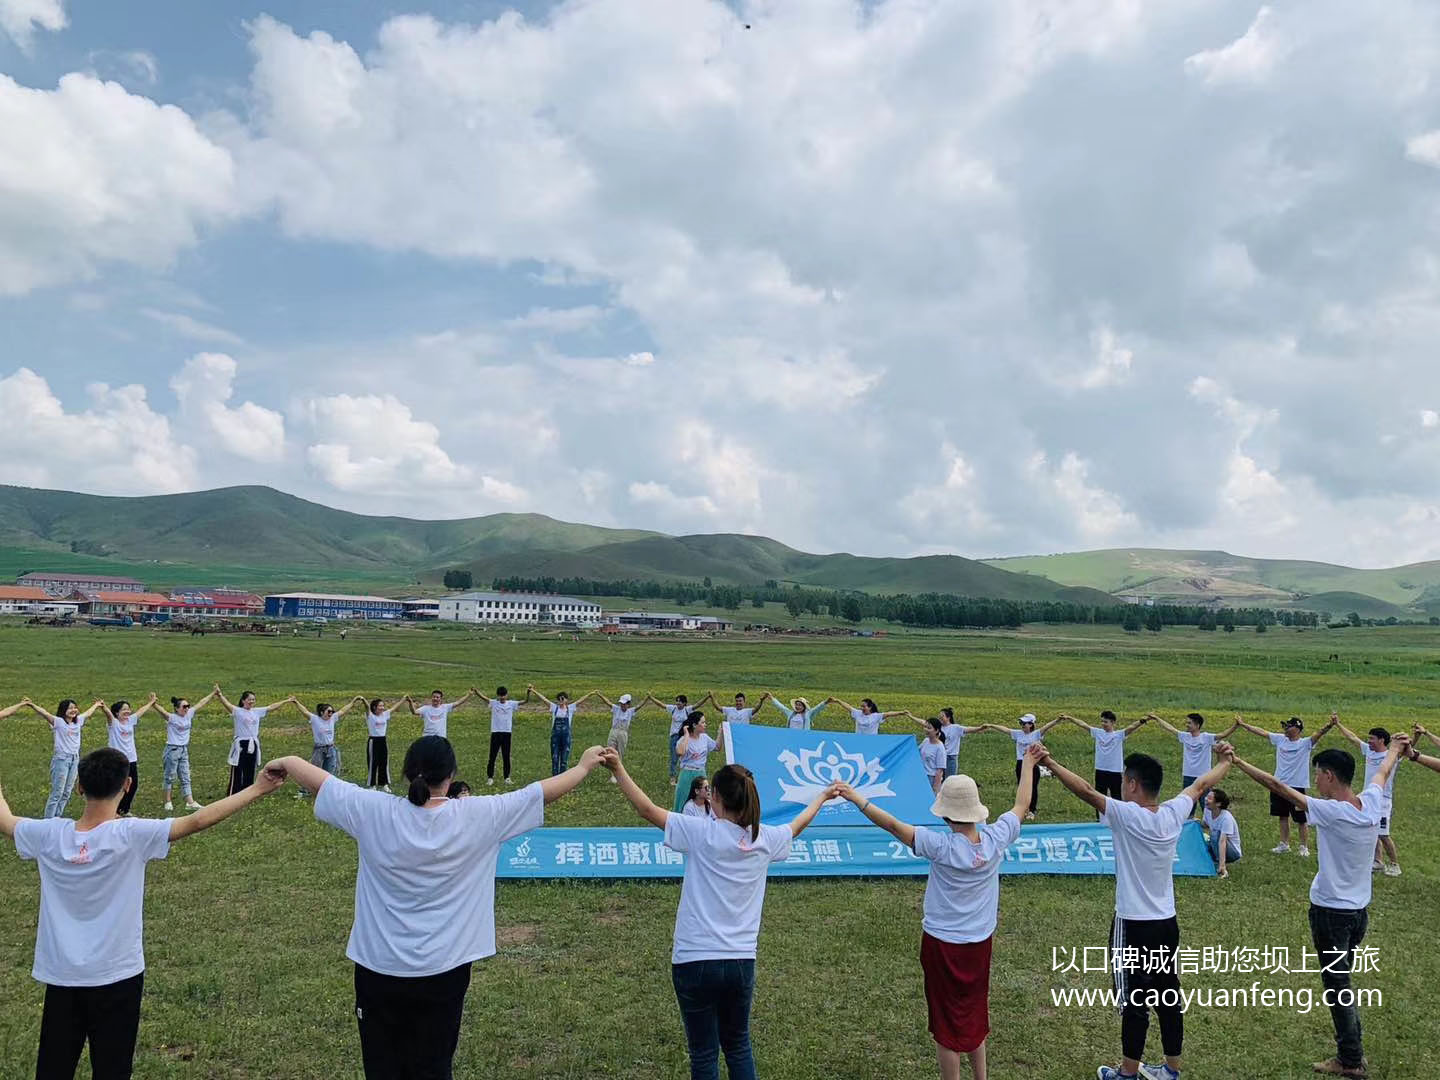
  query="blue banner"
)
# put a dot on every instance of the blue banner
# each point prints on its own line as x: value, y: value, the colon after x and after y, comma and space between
x: 853, y: 851
x: 792, y: 767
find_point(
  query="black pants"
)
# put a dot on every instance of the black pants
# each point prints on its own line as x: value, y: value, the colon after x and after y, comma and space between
x: 1108, y: 783
x: 499, y: 744
x: 1034, y: 788
x: 1198, y: 809
x: 109, y: 1016
x: 1337, y: 933
x: 129, y: 796
x: 409, y: 1028
x: 1156, y: 941
x: 243, y: 774
x: 377, y: 754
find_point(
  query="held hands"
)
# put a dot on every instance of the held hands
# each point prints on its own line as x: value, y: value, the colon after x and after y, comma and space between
x: 1035, y: 753
x: 1226, y: 751
x: 609, y: 757
x: 272, y: 777
x: 593, y: 756
x: 842, y: 790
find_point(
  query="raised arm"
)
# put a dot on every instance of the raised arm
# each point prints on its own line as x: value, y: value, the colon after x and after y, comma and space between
x: 603, y: 698
x: 978, y: 728
x: 582, y: 698
x: 1162, y: 722
x: 887, y: 821
x: 1077, y: 785
x: 143, y: 709
x: 1334, y: 722
x: 784, y: 709
x: 547, y: 702
x: 216, y: 812
x: 223, y: 699
x: 409, y: 703
x: 98, y: 703
x: 196, y: 706
x: 1431, y: 763
x: 1046, y: 727
x: 1221, y: 736
x: 844, y: 704
x: 1217, y: 772
x: 808, y: 814
x: 8, y: 820
x: 1067, y: 717
x: 1422, y: 732
x: 348, y: 705
x: 1136, y: 726
x: 554, y: 787
x: 1251, y: 728
x: 1398, y: 745
x: 892, y: 712
x: 44, y: 714
x: 308, y: 776
x: 1351, y: 736
x: 289, y: 700
x: 656, y: 816
x: 1265, y: 780
x: 1034, y: 753
x: 11, y: 710
x: 463, y: 698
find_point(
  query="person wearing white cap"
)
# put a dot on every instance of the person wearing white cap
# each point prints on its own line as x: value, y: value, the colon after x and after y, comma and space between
x: 962, y: 898
x: 799, y: 714
x: 1025, y: 736
x: 622, y: 712
x: 1144, y: 934
x: 1292, y: 766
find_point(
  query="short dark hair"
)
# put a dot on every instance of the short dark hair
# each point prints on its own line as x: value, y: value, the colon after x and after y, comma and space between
x: 500, y: 691
x: 102, y: 773
x: 682, y: 699
x: 936, y: 723
x: 1295, y: 721
x: 1381, y: 733
x: 1221, y: 798
x: 440, y: 692
x: 1145, y: 771
x: 1199, y: 720
x: 1107, y: 714
x: 1338, y: 762
x: 458, y: 788
x: 117, y: 707
x: 323, y: 707
x: 947, y: 712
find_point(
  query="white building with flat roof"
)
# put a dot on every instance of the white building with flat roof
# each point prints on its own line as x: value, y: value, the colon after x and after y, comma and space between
x: 536, y: 609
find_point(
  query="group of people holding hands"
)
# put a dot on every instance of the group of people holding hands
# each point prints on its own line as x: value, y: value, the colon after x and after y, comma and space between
x: 416, y: 934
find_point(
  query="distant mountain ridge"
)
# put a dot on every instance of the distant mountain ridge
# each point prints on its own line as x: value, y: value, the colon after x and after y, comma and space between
x: 258, y: 527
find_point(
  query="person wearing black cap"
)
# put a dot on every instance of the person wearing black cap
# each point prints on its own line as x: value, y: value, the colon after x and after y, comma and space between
x: 1292, y: 766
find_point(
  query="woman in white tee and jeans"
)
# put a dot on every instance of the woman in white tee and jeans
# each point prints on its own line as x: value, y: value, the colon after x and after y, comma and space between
x: 66, y: 723
x: 178, y: 726
x: 962, y: 900
x: 718, y: 922
x: 424, y: 897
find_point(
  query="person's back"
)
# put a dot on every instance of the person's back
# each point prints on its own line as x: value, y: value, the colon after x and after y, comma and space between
x: 962, y: 895
x: 723, y: 891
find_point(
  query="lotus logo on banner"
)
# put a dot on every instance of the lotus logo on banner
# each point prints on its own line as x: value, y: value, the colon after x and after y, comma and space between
x: 792, y: 767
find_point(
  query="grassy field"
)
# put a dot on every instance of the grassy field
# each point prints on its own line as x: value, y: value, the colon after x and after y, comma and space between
x: 246, y: 924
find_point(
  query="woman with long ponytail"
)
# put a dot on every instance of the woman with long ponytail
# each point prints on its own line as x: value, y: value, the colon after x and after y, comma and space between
x: 717, y: 925
x: 424, y: 896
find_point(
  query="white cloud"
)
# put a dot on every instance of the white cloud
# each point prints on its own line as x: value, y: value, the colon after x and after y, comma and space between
x: 248, y: 430
x: 675, y: 507
x: 191, y: 327
x: 1429, y: 418
x: 558, y: 320
x: 90, y: 174
x: 1097, y: 515
x: 1247, y: 59
x: 21, y: 18
x: 1424, y: 148
x: 640, y: 359
x: 118, y: 446
x: 953, y: 505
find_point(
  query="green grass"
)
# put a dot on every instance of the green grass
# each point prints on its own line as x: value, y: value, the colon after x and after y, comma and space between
x: 246, y: 924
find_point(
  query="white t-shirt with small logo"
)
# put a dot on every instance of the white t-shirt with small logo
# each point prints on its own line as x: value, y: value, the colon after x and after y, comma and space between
x: 1198, y: 755
x: 866, y: 723
x: 502, y: 714
x: 247, y: 722
x: 322, y: 728
x: 67, y: 736
x: 1145, y: 843
x: 953, y: 735
x: 425, y: 887
x: 932, y: 756
x: 377, y: 724
x: 1109, y: 749
x: 178, y: 726
x: 737, y: 716
x: 122, y: 736
x: 1345, y: 837
x: 1023, y: 739
x: 1373, y: 760
x: 962, y: 895
x: 697, y: 753
x: 724, y: 887
x: 1224, y: 823
x: 678, y: 715
x: 92, y: 896
x: 1292, y: 759
x: 620, y: 717
x: 435, y: 719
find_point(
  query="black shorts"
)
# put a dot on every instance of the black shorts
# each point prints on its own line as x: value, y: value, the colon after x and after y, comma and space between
x: 1283, y: 808
x: 1109, y: 783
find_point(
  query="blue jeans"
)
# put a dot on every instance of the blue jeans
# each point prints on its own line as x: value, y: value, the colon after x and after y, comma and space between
x: 952, y: 764
x: 326, y: 757
x: 177, y: 761
x: 674, y: 757
x: 714, y: 997
x: 559, y: 750
x: 1231, y: 855
x: 63, y: 771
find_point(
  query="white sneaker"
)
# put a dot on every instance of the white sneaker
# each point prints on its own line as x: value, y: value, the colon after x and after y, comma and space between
x: 1280, y: 849
x: 1376, y: 865
x: 1392, y: 870
x: 387, y: 790
x: 1304, y: 852
x: 490, y: 782
x: 191, y: 804
x: 169, y: 805
x: 509, y: 781
x: 613, y: 780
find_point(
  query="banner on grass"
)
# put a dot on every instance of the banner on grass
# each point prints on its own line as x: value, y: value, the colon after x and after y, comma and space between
x: 792, y: 767
x: 853, y: 851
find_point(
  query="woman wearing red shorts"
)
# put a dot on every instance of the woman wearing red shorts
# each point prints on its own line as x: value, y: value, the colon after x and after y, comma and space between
x: 961, y: 899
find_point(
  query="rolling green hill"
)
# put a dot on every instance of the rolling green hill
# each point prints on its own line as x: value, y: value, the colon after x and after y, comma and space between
x: 1191, y: 576
x: 262, y: 538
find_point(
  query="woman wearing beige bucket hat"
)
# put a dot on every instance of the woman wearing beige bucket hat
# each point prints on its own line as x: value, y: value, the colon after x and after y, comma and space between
x: 962, y: 898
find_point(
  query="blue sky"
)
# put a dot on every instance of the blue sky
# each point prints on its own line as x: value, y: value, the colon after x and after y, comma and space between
x: 894, y: 278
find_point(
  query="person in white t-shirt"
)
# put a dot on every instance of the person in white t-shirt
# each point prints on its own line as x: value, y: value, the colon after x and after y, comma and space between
x: 1346, y: 827
x: 424, y: 896
x: 66, y: 723
x: 953, y: 734
x: 622, y: 715
x: 89, y: 945
x: 245, y: 745
x: 435, y: 715
x: 120, y: 728
x: 962, y: 899
x: 799, y: 714
x: 324, y: 751
x: 1292, y: 765
x: 678, y: 711
x: 1109, y: 750
x: 695, y: 747
x: 932, y: 753
x: 697, y: 801
x: 1374, y: 748
x: 176, y: 761
x: 1026, y: 736
x: 742, y: 712
x: 1197, y: 746
x: 377, y: 743
x: 562, y: 721
x: 1224, y: 831
x: 1144, y: 934
x: 502, y: 725
x: 717, y: 925
x: 868, y: 716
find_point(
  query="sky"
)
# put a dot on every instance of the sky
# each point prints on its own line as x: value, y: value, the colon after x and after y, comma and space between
x: 891, y: 277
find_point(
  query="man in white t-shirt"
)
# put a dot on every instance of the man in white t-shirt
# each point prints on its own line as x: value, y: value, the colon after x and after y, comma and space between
x: 1346, y: 827
x: 1374, y: 748
x: 502, y: 725
x: 1109, y: 750
x: 1197, y: 746
x: 1292, y: 766
x: 742, y: 711
x: 678, y: 712
x: 89, y: 948
x: 435, y: 717
x: 1144, y: 935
